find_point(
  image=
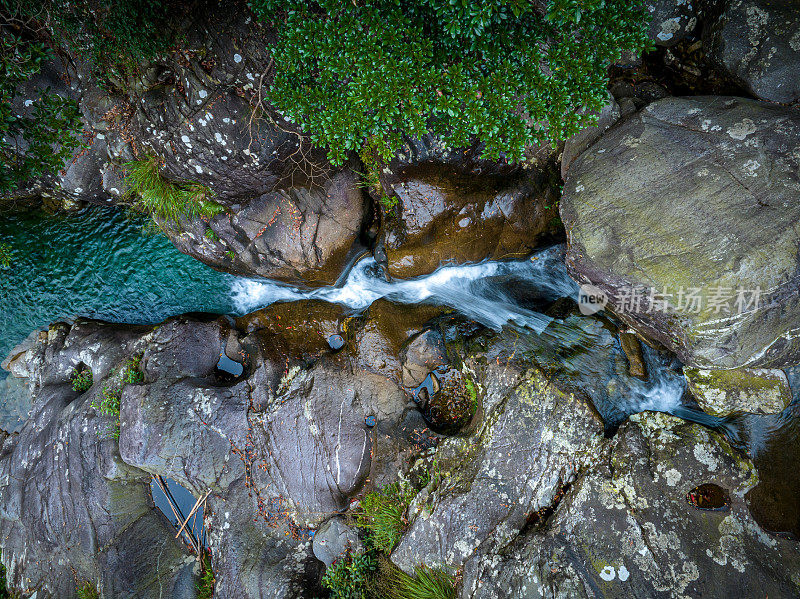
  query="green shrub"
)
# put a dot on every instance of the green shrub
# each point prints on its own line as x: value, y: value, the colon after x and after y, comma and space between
x: 511, y: 73
x: 82, y: 380
x: 108, y: 405
x: 88, y: 591
x: 50, y: 126
x: 205, y: 585
x: 115, y: 36
x: 132, y: 372
x: 5, y: 255
x: 382, y: 514
x: 427, y: 583
x: 373, y: 154
x: 347, y: 578
x: 165, y: 199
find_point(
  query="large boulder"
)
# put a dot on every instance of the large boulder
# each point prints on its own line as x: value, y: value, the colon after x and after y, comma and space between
x: 726, y: 392
x: 663, y: 516
x: 72, y: 511
x: 758, y: 43
x: 454, y: 207
x: 532, y: 440
x: 695, y: 200
x: 671, y: 20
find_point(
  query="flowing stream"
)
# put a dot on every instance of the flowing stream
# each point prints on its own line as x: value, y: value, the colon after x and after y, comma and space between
x: 99, y: 263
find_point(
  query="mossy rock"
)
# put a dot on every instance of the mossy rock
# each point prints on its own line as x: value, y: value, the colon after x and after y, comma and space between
x: 724, y: 392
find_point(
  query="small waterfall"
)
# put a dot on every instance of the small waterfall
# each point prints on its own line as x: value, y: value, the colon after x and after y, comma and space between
x: 502, y: 294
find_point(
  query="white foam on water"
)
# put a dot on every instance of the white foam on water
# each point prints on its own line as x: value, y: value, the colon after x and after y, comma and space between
x: 460, y: 287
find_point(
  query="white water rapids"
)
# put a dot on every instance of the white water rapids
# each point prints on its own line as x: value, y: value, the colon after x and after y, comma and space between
x: 495, y: 294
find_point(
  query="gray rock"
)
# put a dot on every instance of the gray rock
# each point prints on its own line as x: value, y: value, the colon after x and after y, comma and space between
x: 671, y: 20
x: 714, y: 219
x: 487, y: 486
x: 576, y: 144
x: 758, y: 42
x: 72, y: 510
x: 334, y: 539
x: 626, y: 529
x: 423, y: 354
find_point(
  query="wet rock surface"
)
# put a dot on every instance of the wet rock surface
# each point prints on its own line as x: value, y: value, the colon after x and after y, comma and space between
x: 714, y: 221
x: 454, y: 207
x: 726, y: 392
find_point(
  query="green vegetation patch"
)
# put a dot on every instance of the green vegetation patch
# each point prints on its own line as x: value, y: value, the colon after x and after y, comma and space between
x: 347, y: 578
x: 132, y: 371
x: 38, y: 139
x: 88, y: 591
x: 427, y: 583
x: 382, y: 515
x: 205, y: 584
x: 164, y: 199
x: 82, y: 379
x: 108, y: 404
x: 510, y: 73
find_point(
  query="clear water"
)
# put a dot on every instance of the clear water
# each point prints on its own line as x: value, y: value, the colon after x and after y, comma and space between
x: 97, y: 263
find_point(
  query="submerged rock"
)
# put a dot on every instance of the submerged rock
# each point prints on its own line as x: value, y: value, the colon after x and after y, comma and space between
x: 758, y: 42
x: 725, y: 392
x: 710, y: 231
x: 628, y: 529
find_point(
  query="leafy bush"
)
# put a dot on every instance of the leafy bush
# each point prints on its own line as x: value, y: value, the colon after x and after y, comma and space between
x: 427, y: 583
x: 372, y: 155
x: 165, y: 199
x: 5, y: 255
x: 82, y: 379
x: 510, y: 72
x: 132, y: 372
x: 382, y: 515
x: 116, y: 36
x: 347, y: 578
x: 88, y: 591
x: 41, y: 139
x: 109, y: 406
x: 205, y: 585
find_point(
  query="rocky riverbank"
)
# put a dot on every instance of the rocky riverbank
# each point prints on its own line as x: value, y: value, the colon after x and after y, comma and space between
x: 530, y: 464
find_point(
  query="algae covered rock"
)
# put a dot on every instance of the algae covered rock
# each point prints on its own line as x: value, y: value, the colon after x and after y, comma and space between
x: 684, y: 216
x: 724, y: 392
x: 632, y: 527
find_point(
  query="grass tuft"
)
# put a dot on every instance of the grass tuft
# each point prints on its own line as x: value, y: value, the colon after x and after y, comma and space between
x: 383, y: 516
x: 132, y: 372
x: 427, y: 583
x: 88, y: 591
x: 348, y: 577
x: 165, y: 199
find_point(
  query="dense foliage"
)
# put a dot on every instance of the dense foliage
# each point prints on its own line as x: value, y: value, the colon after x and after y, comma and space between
x: 39, y: 136
x: 510, y: 72
x: 114, y: 35
x: 347, y: 578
